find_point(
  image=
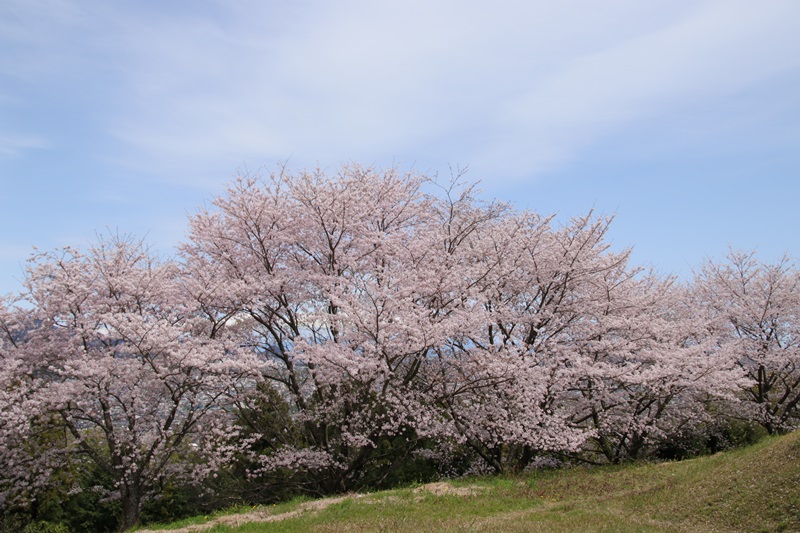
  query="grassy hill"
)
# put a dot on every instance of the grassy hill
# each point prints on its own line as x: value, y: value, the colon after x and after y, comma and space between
x: 751, y: 489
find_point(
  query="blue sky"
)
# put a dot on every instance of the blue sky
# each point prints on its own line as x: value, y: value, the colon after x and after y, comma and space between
x: 682, y: 117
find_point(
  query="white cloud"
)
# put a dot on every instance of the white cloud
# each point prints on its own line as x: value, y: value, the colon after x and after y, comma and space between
x: 517, y: 87
x: 719, y: 49
x: 336, y: 80
x: 14, y: 145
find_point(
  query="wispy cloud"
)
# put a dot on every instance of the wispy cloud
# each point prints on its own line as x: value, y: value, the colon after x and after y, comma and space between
x: 14, y: 145
x: 520, y: 88
x: 718, y: 49
x: 527, y: 83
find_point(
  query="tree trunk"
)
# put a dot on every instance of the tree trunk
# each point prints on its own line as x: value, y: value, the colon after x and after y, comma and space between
x: 131, y: 508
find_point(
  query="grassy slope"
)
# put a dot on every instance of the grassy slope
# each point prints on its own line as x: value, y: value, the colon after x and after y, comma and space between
x: 753, y: 489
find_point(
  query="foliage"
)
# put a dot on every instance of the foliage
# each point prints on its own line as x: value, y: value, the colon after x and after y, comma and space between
x: 46, y: 527
x: 708, y: 439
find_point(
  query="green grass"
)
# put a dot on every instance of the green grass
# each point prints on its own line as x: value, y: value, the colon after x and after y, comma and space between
x: 751, y: 489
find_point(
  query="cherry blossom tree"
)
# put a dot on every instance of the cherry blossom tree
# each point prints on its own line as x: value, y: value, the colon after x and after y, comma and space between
x: 755, y: 309
x: 647, y: 368
x: 121, y: 366
x: 310, y: 268
x: 334, y: 326
x: 26, y: 463
x: 530, y: 301
x: 365, y: 297
x: 600, y: 350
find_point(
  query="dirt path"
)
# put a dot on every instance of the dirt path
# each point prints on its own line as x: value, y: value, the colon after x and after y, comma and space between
x: 439, y: 489
x: 442, y: 488
x: 257, y: 516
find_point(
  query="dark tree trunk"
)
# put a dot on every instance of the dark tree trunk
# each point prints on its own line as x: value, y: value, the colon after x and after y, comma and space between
x: 131, y: 508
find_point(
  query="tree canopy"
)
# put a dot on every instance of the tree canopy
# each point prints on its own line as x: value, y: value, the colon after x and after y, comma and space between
x: 327, y: 331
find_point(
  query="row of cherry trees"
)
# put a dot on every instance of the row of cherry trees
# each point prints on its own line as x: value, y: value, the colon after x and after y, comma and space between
x: 337, y: 327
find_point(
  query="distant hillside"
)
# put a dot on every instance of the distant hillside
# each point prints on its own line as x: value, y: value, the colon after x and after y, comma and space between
x: 752, y: 489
